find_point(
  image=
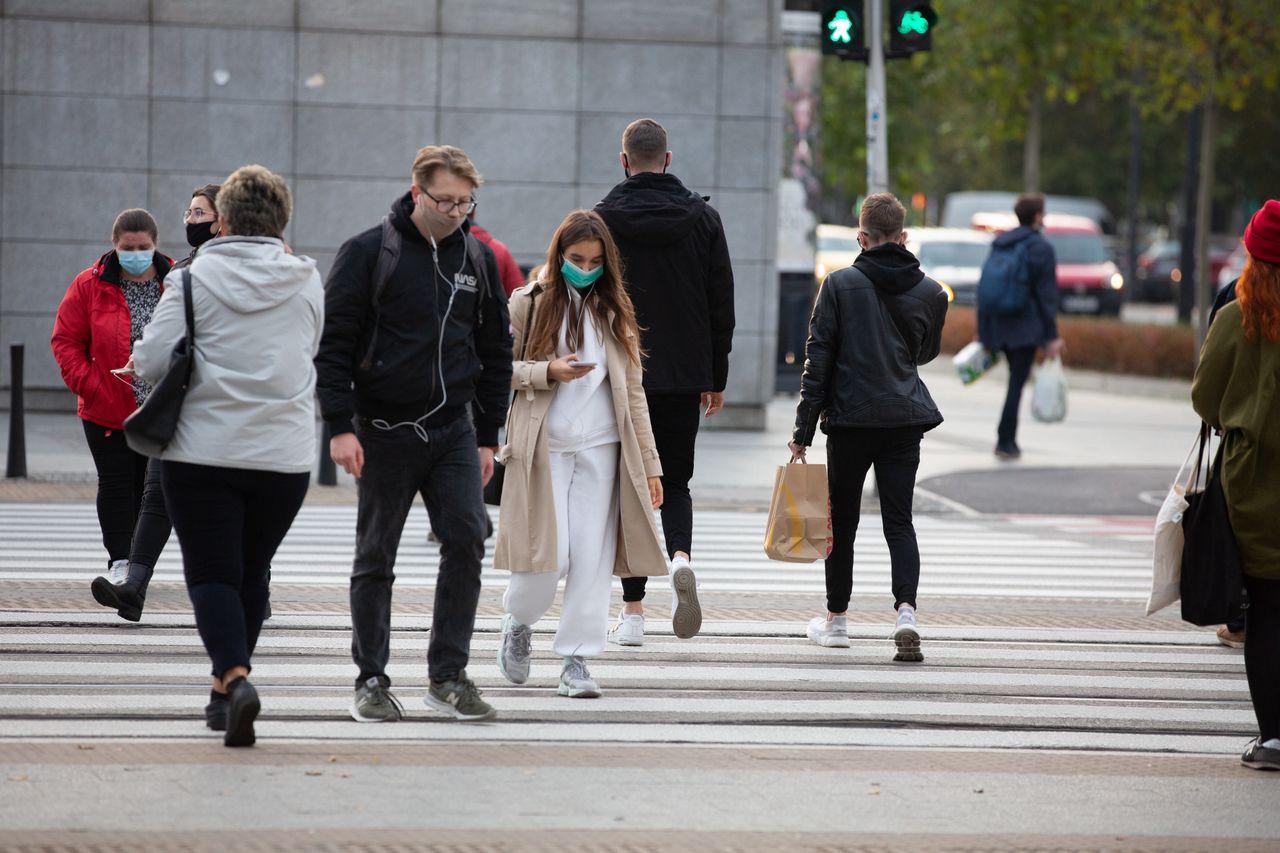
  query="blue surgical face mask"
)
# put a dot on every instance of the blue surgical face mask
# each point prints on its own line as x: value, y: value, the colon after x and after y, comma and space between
x: 580, y: 278
x: 135, y: 263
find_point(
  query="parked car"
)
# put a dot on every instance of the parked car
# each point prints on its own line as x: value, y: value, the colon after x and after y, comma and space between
x: 1160, y: 269
x: 1089, y: 282
x: 953, y: 257
x: 837, y: 246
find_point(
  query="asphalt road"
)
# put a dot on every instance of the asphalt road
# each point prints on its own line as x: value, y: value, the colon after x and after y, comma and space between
x: 1057, y: 491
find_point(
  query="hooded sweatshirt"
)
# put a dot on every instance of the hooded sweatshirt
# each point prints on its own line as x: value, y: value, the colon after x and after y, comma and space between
x: 873, y: 324
x: 259, y: 312
x: 676, y: 263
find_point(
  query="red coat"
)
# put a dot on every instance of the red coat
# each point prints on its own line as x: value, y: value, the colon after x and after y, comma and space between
x: 91, y: 337
x: 508, y: 269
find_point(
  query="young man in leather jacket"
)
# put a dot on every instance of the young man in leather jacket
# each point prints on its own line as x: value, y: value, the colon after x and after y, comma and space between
x: 873, y: 324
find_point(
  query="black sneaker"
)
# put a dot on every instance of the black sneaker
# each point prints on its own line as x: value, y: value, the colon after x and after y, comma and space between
x: 1259, y: 757
x: 459, y: 698
x: 242, y: 709
x: 215, y: 713
x: 1008, y: 451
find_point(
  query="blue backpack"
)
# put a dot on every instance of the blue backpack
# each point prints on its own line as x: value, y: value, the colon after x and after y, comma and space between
x: 1005, y: 285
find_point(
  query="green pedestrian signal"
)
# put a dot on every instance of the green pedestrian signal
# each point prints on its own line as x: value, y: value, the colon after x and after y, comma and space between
x: 843, y: 29
x: 910, y: 27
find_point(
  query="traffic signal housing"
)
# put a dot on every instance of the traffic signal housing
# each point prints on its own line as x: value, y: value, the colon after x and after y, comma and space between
x: 843, y: 30
x: 910, y: 27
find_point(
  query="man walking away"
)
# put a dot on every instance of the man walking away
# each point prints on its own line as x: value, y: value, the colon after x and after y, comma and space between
x: 414, y: 374
x: 873, y: 325
x: 1018, y: 308
x: 678, y: 273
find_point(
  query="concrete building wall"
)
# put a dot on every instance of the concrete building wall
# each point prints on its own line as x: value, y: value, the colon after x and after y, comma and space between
x: 109, y: 104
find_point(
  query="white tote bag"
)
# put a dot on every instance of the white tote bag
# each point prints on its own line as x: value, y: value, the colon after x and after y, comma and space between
x: 1049, y: 396
x: 1166, y: 567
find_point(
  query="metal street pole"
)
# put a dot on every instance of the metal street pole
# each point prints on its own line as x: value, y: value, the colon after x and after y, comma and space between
x: 877, y: 126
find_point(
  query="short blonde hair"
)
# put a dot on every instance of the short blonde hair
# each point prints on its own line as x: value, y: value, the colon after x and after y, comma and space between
x: 255, y: 202
x: 882, y: 217
x: 432, y: 158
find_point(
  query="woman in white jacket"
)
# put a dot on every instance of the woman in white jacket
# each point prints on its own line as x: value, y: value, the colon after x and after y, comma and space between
x: 238, y: 466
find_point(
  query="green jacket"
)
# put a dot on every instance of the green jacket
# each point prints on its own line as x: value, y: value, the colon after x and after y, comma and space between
x: 1237, y: 390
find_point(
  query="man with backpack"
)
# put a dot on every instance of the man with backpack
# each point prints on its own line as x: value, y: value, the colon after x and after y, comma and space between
x: 414, y: 372
x: 1018, y: 308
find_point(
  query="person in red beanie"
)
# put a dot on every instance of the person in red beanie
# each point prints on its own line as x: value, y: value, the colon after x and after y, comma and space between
x: 1236, y: 390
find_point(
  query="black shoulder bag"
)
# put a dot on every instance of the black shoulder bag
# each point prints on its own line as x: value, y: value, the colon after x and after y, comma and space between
x: 1212, y: 576
x: 151, y: 427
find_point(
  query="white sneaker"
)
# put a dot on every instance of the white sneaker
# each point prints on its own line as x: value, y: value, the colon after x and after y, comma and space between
x: 576, y: 682
x: 629, y: 631
x: 686, y: 613
x: 906, y: 636
x: 514, y: 644
x: 832, y: 633
x: 118, y: 573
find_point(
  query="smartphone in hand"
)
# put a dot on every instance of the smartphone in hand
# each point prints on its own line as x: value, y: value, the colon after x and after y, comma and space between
x: 582, y: 364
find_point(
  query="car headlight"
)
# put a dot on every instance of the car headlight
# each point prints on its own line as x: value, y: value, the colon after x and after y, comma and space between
x: 820, y: 271
x: 951, y: 294
x: 1117, y: 281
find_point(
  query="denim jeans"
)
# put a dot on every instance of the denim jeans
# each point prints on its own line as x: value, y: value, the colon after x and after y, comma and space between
x: 674, y: 419
x: 445, y: 471
x: 895, y: 455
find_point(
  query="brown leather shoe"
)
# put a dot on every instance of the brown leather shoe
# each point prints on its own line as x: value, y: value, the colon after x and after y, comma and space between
x: 1234, y: 639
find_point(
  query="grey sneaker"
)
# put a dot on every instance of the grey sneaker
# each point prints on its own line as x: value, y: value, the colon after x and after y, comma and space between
x: 514, y: 644
x: 576, y: 682
x: 686, y: 612
x: 832, y: 633
x: 375, y: 704
x: 1259, y: 757
x: 460, y: 698
x: 906, y: 636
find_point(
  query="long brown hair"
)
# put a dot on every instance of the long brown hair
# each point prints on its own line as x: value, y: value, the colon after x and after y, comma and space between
x: 608, y: 295
x: 1258, y: 293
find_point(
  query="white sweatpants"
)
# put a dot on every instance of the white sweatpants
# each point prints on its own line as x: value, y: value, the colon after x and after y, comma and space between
x: 585, y: 488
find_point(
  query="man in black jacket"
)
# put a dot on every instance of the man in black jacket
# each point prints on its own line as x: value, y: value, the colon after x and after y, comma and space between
x: 873, y: 324
x: 679, y: 276
x: 414, y: 372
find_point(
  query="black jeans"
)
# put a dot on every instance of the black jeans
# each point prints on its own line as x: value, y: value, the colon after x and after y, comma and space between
x: 1020, y: 361
x: 1262, y: 653
x: 895, y: 454
x: 131, y: 512
x: 674, y: 419
x: 445, y: 470
x: 230, y: 521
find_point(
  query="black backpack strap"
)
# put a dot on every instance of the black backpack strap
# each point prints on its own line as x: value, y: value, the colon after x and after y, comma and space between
x: 388, y: 258
x: 189, y: 309
x: 475, y: 253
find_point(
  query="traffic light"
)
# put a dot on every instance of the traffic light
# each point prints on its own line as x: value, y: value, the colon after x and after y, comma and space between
x: 910, y: 27
x: 843, y: 29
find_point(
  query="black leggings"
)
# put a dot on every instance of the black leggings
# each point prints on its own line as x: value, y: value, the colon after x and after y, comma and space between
x: 230, y: 521
x: 1020, y: 361
x: 674, y: 420
x: 1262, y: 653
x: 131, y: 511
x: 895, y: 454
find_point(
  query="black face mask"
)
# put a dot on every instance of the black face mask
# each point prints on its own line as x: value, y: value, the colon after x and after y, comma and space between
x: 199, y: 233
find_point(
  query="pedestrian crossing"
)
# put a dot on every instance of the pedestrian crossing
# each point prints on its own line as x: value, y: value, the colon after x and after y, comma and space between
x: 959, y: 556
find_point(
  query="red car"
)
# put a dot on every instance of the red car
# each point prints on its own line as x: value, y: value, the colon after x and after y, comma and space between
x: 1089, y: 282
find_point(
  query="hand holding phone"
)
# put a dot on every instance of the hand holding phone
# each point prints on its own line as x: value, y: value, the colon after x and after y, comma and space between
x: 582, y: 364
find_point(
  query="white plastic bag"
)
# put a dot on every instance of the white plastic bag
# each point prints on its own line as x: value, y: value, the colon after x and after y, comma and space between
x: 973, y: 362
x: 1166, y: 566
x: 1049, y: 396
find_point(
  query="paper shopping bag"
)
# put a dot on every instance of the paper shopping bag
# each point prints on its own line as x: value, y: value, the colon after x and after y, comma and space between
x: 799, y: 527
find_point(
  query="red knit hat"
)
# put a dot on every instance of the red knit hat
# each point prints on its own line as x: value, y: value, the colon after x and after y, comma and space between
x: 1262, y: 234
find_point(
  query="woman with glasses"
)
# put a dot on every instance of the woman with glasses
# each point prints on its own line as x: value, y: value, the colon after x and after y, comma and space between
x: 103, y: 312
x: 201, y: 219
x: 237, y: 468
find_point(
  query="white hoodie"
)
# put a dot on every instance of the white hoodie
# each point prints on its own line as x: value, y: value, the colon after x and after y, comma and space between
x: 581, y: 414
x: 259, y: 313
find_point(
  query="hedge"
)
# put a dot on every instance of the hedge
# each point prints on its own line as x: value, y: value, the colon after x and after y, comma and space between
x: 1100, y: 343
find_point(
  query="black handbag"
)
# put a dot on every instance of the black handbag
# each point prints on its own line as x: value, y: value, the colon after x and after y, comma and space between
x: 493, y: 489
x: 1212, y: 575
x: 152, y: 425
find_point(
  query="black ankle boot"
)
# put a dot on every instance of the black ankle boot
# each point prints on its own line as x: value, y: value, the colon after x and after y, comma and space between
x: 132, y: 594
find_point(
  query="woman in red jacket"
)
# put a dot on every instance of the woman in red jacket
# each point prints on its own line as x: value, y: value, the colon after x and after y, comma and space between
x: 103, y: 313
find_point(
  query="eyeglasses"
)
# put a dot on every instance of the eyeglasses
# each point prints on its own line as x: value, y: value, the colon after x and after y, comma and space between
x: 448, y: 205
x: 197, y: 214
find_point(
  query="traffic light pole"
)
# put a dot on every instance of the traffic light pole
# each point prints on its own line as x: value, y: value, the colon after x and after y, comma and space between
x: 877, y: 126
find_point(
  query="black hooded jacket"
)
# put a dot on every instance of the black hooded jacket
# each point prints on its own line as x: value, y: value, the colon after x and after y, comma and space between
x: 403, y: 380
x: 677, y: 269
x: 873, y: 324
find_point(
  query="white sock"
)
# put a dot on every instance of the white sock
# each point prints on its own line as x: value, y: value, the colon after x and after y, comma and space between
x: 1274, y: 743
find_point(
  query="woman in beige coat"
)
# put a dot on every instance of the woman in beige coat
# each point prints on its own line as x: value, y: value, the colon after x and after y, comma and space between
x: 582, y: 474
